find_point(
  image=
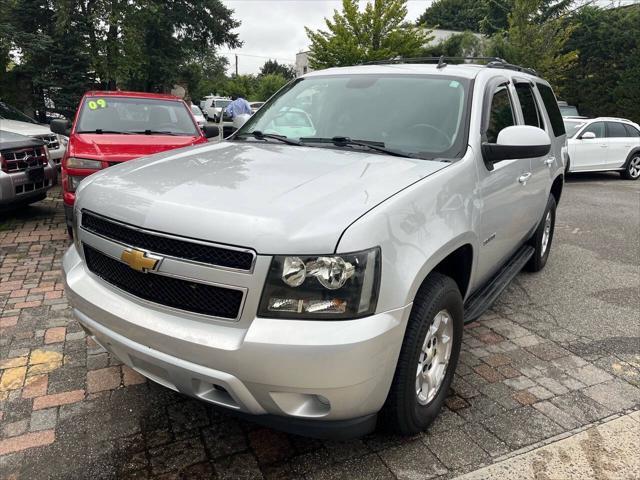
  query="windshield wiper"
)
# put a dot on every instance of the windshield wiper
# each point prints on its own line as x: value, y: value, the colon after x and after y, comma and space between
x: 257, y: 134
x: 101, y: 131
x: 159, y: 132
x: 347, y: 142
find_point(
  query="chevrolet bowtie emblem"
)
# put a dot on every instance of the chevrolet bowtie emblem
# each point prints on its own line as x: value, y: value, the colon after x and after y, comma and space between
x: 139, y: 260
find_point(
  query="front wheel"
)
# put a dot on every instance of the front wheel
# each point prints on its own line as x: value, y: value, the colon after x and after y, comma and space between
x: 632, y: 172
x: 428, y: 357
x: 541, y: 240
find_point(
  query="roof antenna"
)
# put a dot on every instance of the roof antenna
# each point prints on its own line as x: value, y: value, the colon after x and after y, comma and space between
x: 441, y: 62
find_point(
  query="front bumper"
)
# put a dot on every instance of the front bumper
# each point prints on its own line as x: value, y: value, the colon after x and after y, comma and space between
x: 304, y: 376
x: 17, y: 188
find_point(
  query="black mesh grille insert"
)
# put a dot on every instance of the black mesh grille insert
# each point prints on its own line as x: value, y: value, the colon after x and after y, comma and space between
x: 167, y: 246
x: 182, y: 294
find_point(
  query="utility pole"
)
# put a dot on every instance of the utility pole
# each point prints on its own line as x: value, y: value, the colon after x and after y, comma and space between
x: 236, y: 65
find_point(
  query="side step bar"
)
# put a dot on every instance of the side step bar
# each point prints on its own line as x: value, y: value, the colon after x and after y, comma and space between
x: 482, y: 299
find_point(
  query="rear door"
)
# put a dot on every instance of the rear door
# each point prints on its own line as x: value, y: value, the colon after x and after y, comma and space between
x: 541, y: 167
x: 619, y: 144
x: 590, y: 153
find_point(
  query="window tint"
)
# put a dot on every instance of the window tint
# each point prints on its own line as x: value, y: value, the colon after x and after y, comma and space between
x: 597, y: 128
x: 632, y: 131
x: 529, y: 106
x: 551, y: 105
x: 615, y: 129
x: 501, y: 114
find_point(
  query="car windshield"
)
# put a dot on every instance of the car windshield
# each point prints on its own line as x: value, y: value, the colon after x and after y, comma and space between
x: 572, y: 127
x: 7, y: 112
x: 128, y: 115
x: 222, y: 103
x: 569, y: 111
x: 196, y: 110
x: 419, y: 115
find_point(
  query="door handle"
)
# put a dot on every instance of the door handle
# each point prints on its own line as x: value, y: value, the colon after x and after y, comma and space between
x: 549, y: 161
x: 524, y: 178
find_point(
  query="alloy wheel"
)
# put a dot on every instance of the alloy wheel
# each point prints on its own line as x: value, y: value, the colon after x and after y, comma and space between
x: 634, y: 167
x: 434, y: 357
x: 546, y: 234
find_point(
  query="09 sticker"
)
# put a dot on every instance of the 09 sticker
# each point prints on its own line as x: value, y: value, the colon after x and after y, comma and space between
x: 96, y: 104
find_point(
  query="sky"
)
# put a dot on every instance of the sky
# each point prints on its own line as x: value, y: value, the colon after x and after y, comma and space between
x: 275, y: 28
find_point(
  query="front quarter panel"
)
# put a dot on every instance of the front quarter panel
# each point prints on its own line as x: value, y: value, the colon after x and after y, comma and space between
x: 417, y: 228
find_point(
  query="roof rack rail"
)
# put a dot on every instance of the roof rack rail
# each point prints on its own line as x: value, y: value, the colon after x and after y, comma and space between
x: 490, y: 62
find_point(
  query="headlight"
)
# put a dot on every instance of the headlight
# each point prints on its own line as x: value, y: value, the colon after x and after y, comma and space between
x: 73, y: 162
x: 322, y: 287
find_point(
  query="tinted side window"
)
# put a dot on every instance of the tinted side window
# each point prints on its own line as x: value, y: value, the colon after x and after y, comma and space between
x: 597, y: 128
x: 501, y: 114
x: 615, y: 129
x: 551, y: 104
x: 632, y: 131
x: 529, y: 106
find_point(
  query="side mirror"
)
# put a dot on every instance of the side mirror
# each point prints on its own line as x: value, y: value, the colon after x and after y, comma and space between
x: 587, y: 136
x: 61, y: 126
x: 519, y: 141
x: 210, y: 131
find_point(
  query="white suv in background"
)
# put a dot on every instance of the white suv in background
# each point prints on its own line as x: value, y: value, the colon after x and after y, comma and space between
x: 602, y: 144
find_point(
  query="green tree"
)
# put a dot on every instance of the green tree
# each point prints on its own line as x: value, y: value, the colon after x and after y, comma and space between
x: 606, y: 78
x: 465, y: 44
x: 245, y: 86
x: 455, y: 15
x: 537, y: 44
x: 379, y: 31
x: 268, y: 85
x: 272, y: 67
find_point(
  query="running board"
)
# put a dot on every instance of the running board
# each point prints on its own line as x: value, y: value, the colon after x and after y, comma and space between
x: 481, y: 300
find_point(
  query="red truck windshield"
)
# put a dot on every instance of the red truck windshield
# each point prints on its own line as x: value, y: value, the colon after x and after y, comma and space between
x: 130, y: 115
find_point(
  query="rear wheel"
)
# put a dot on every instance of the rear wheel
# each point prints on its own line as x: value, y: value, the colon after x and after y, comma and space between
x: 632, y: 172
x: 541, y: 240
x: 428, y: 357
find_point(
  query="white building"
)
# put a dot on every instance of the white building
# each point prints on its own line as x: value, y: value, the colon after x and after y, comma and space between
x: 302, y: 63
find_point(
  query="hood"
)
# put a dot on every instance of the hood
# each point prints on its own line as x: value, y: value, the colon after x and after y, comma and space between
x: 118, y: 148
x: 269, y: 197
x: 24, y: 128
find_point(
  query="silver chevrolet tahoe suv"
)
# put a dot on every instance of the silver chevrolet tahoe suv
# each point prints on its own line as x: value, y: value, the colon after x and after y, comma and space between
x: 315, y: 270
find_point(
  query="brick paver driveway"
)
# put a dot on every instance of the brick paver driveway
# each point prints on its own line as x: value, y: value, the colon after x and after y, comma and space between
x: 560, y: 350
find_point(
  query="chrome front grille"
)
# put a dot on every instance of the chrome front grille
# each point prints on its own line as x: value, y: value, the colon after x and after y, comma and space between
x: 169, y: 245
x: 21, y: 159
x: 50, y: 140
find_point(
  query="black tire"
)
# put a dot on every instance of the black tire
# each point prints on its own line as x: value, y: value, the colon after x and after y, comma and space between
x: 540, y: 256
x: 402, y: 412
x: 631, y: 171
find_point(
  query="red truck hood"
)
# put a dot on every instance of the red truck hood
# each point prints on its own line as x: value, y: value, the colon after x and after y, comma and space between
x: 118, y: 148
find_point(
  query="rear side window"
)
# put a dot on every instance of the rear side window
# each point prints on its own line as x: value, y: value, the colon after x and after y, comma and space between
x: 616, y: 130
x: 632, y: 131
x: 501, y: 114
x: 551, y: 104
x: 529, y: 105
x: 596, y: 128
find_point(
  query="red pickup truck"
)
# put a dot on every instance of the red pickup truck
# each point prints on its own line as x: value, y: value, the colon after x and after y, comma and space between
x: 113, y: 126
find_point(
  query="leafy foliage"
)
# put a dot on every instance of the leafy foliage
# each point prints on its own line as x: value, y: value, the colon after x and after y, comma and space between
x: 606, y: 78
x: 272, y: 67
x: 455, y: 15
x: 353, y: 36
x: 535, y: 42
x: 64, y: 47
x: 465, y: 44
